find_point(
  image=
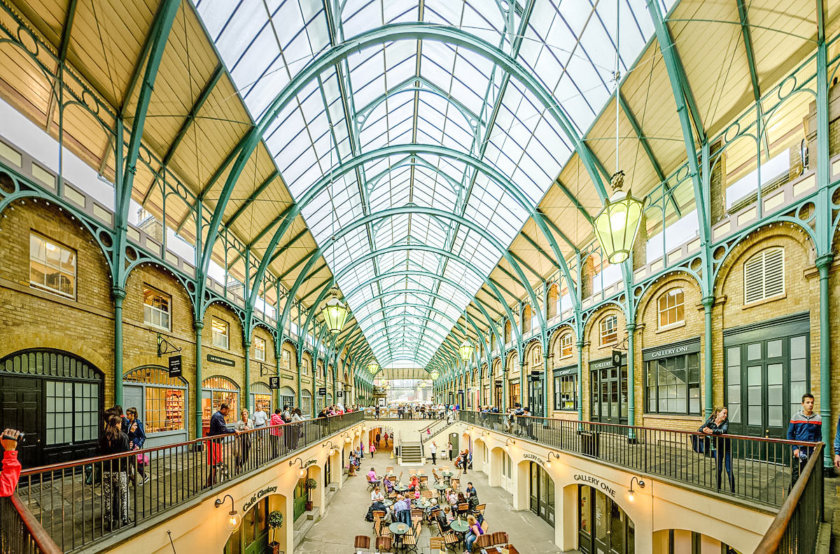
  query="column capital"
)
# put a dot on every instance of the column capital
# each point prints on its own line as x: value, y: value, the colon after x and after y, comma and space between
x: 824, y: 261
x: 118, y: 292
x: 198, y: 325
x: 708, y: 301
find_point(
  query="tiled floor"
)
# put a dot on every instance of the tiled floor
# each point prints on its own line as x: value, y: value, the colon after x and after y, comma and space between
x: 344, y: 517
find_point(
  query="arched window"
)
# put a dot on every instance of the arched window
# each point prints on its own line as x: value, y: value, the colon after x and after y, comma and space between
x: 553, y: 297
x: 566, y: 345
x: 671, y: 307
x: 609, y: 330
x: 764, y: 275
x: 527, y: 314
x: 536, y: 357
x: 216, y: 391
x: 507, y: 332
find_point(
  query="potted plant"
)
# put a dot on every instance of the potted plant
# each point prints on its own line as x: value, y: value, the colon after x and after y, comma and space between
x: 275, y: 521
x: 310, y: 484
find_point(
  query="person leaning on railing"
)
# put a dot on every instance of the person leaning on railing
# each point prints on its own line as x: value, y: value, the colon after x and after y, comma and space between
x: 806, y: 425
x: 11, y: 466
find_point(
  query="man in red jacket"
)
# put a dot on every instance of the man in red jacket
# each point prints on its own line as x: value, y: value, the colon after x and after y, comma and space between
x: 11, y: 466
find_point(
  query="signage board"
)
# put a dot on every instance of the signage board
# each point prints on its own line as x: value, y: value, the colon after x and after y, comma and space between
x: 570, y: 370
x: 274, y: 383
x: 175, y: 366
x: 616, y: 358
x: 595, y: 483
x: 606, y: 363
x: 322, y: 391
x: 256, y: 497
x: 219, y: 360
x: 340, y: 394
x: 669, y: 350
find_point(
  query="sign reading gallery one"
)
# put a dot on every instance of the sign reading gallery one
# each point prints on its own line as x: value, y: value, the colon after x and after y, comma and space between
x: 595, y: 483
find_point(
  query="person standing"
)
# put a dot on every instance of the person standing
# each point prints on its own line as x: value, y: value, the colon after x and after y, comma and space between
x: 11, y: 465
x: 260, y: 418
x: 378, y: 438
x: 449, y: 450
x: 433, y: 450
x: 115, y: 472
x: 218, y: 428
x: 243, y: 443
x: 386, y: 439
x: 297, y: 430
x: 806, y: 425
x: 718, y: 425
x: 137, y: 436
x: 372, y: 449
x: 275, y: 423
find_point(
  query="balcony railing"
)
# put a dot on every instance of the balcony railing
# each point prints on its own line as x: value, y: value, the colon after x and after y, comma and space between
x: 750, y: 469
x: 20, y: 532
x: 797, y: 524
x: 83, y: 502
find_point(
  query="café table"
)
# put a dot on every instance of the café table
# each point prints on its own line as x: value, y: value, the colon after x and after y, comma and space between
x: 398, y: 529
x: 459, y: 526
x: 387, y: 502
x: 447, y: 476
x: 401, y: 488
x: 421, y: 503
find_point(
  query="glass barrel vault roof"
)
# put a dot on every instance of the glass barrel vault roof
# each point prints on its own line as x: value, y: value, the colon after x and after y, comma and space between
x: 414, y: 106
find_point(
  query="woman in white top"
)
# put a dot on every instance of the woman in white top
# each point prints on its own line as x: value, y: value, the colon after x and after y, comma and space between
x: 243, y: 441
x: 376, y: 495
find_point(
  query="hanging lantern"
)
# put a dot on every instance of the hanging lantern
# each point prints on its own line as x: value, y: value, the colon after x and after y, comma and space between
x: 335, y: 313
x: 435, y: 375
x: 373, y: 367
x: 465, y: 351
x: 617, y: 225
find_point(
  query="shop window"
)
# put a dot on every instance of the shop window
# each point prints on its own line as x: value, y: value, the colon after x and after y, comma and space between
x: 565, y: 392
x: 72, y: 410
x: 673, y: 385
x: 566, y: 345
x: 609, y: 330
x: 671, y: 305
x: 215, y: 392
x: 764, y: 275
x: 156, y: 308
x: 52, y: 266
x: 259, y: 349
x: 220, y: 333
x: 164, y: 399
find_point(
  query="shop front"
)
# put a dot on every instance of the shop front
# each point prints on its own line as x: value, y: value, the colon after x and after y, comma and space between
x: 287, y: 397
x: 161, y: 403
x: 260, y: 397
x: 251, y: 537
x: 56, y: 399
x: 306, y: 403
x: 513, y: 393
x: 766, y: 373
x: 608, y: 387
x: 603, y: 527
x: 497, y: 394
x: 541, y: 495
x: 216, y: 391
x: 536, y: 383
x: 672, y: 378
x: 565, y: 389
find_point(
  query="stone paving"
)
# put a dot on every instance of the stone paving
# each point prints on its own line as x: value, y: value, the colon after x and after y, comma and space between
x: 344, y: 516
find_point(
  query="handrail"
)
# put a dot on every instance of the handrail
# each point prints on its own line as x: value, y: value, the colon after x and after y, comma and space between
x: 752, y: 469
x: 28, y: 533
x: 781, y: 524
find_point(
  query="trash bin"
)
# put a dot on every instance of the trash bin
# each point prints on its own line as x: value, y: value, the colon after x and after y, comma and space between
x: 589, y: 443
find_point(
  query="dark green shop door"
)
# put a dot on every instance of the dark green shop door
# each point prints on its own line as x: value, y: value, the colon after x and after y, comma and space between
x: 251, y: 537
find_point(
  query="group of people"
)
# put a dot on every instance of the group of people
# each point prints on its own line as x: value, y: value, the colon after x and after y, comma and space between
x: 453, y: 504
x: 415, y: 411
x: 121, y: 433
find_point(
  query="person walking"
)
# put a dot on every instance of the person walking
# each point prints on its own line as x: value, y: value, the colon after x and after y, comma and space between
x: 372, y: 450
x: 386, y: 439
x: 215, y: 457
x: 115, y: 472
x: 275, y: 423
x: 243, y: 442
x: 718, y: 425
x: 433, y: 450
x: 806, y: 426
x: 137, y: 436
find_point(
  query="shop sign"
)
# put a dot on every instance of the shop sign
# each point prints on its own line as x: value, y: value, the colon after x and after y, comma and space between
x: 340, y: 394
x: 688, y: 347
x: 606, y: 363
x: 322, y: 391
x: 253, y: 500
x: 219, y: 360
x: 288, y: 376
x: 596, y: 483
x: 175, y: 366
x: 274, y: 383
x: 572, y: 370
x: 533, y: 457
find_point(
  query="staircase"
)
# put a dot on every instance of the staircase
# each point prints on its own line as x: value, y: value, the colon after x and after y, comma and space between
x: 436, y: 428
x: 411, y: 453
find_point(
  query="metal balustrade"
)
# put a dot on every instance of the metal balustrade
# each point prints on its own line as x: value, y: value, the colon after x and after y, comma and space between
x: 20, y: 532
x: 761, y: 468
x: 71, y: 501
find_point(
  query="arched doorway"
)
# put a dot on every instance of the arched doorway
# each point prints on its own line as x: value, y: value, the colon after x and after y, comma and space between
x: 216, y: 391
x: 287, y: 397
x: 541, y: 493
x: 603, y: 526
x: 306, y: 403
x: 161, y: 403
x: 260, y: 396
x: 55, y: 398
x: 254, y: 533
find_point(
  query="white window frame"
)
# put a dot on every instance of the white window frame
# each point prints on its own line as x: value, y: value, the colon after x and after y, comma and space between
x: 602, y: 326
x: 563, y: 342
x: 259, y: 349
x: 286, y: 359
x: 659, y: 310
x: 62, y: 248
x: 214, y: 321
x: 150, y: 310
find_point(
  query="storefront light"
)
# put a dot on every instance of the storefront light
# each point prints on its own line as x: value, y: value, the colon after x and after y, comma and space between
x: 233, y: 518
x: 631, y: 494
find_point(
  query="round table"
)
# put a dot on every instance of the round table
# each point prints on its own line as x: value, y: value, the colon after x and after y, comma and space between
x: 459, y: 526
x: 421, y: 503
x: 401, y: 488
x: 398, y: 529
x: 387, y: 502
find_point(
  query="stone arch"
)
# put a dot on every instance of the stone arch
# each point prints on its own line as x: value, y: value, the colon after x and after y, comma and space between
x: 276, y: 502
x: 554, y: 343
x: 668, y: 281
x: 593, y: 324
x: 162, y: 268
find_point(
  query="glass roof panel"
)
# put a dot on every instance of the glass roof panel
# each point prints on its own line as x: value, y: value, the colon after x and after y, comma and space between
x: 431, y: 94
